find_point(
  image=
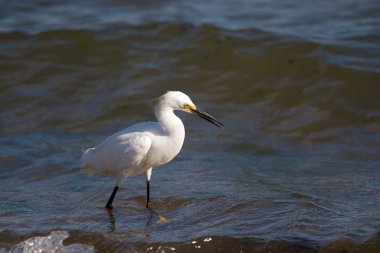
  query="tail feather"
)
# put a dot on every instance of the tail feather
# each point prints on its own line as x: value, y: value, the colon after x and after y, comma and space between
x: 85, y: 160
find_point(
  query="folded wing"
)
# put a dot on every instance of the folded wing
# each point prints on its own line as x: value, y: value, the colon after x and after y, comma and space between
x: 119, y: 153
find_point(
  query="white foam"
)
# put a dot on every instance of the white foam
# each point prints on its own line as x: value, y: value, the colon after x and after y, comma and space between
x: 50, y: 243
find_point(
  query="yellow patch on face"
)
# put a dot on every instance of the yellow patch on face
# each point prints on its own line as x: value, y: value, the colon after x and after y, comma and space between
x: 189, y: 107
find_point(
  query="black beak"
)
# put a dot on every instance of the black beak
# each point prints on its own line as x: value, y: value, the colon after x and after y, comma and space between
x: 207, y: 117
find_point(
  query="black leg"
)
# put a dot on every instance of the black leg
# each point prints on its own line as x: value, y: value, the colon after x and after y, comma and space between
x: 147, y: 193
x: 109, y: 203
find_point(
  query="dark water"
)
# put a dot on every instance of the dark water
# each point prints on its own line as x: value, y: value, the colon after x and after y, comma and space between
x: 297, y: 85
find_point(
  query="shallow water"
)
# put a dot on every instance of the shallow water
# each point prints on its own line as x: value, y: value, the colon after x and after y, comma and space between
x: 296, y: 168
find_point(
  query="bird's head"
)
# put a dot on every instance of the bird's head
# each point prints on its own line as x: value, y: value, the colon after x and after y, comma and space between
x: 177, y: 100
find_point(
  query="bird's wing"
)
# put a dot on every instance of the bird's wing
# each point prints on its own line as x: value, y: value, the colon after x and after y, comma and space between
x: 119, y: 152
x: 134, y: 147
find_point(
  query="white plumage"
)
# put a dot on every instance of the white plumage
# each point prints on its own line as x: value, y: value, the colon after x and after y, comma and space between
x: 143, y: 146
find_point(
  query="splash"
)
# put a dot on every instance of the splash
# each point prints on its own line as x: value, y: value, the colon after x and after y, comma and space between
x: 50, y: 243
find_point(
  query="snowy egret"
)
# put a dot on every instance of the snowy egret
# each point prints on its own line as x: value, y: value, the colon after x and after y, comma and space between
x: 143, y: 146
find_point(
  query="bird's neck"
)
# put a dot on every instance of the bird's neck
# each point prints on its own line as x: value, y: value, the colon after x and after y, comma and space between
x: 170, y: 122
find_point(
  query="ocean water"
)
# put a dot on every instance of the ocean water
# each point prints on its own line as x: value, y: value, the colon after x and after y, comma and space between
x: 296, y: 84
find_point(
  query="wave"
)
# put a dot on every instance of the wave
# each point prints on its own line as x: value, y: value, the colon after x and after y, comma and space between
x: 302, y: 130
x: 80, y: 241
x: 305, y: 87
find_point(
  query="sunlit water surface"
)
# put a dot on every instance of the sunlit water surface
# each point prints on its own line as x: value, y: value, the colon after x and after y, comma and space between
x: 295, y: 169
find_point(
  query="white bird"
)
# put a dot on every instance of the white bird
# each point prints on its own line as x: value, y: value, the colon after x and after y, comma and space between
x: 143, y: 146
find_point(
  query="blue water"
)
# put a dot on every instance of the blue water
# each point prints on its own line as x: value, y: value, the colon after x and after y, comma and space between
x: 296, y: 85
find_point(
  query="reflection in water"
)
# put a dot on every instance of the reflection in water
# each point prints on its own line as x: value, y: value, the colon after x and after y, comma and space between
x: 152, y: 215
x: 111, y: 219
x: 148, y: 226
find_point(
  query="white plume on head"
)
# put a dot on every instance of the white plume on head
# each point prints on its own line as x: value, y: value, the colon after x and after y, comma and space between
x: 172, y: 99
